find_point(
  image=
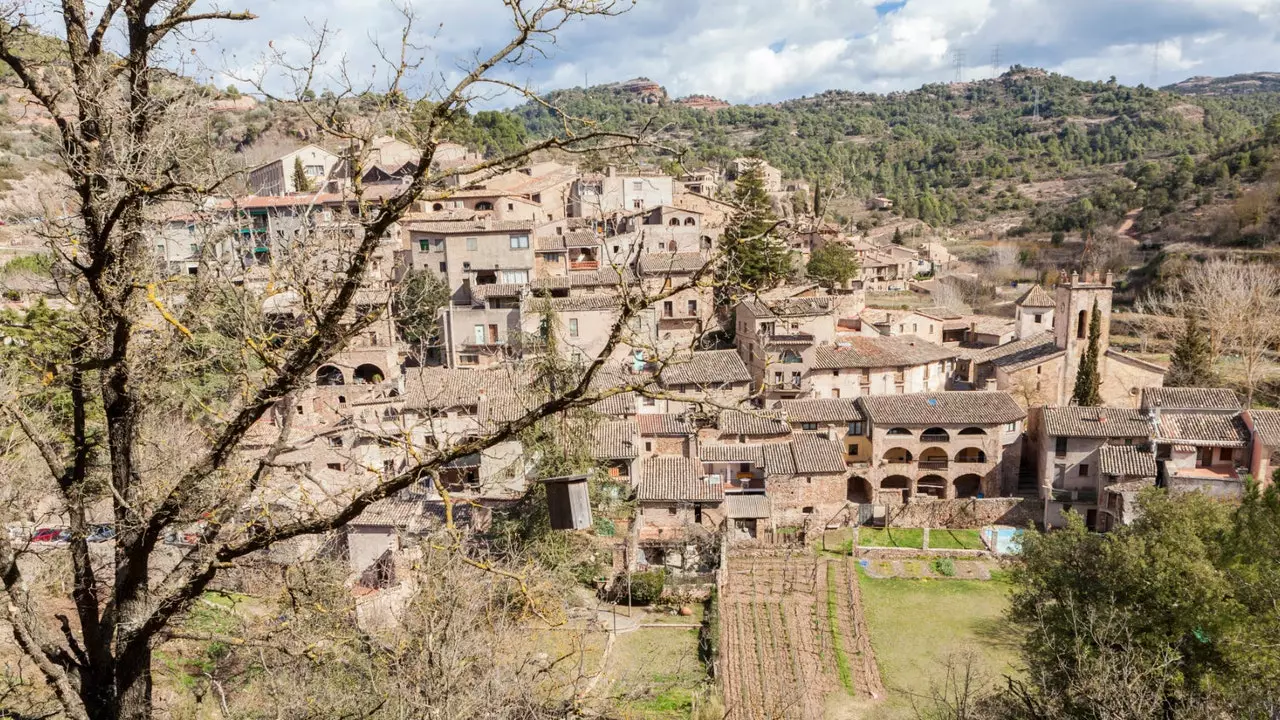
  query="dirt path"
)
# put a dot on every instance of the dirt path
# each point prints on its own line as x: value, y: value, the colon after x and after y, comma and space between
x: 1127, y: 223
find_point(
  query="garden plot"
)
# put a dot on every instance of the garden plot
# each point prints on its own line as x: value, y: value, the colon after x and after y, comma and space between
x: 792, y: 632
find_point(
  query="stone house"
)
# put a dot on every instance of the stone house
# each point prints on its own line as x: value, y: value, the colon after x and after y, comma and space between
x: 862, y: 366
x: 677, y: 502
x: 1201, y: 439
x: 1265, y: 458
x: 839, y: 419
x: 1071, y: 439
x: 944, y: 445
x: 876, y: 322
x: 771, y: 175
x: 276, y: 177
x: 595, y: 195
x: 1126, y: 470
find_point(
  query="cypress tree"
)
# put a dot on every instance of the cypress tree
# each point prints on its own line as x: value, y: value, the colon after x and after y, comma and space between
x: 1086, y: 392
x: 1192, y: 364
x: 300, y: 181
x: 755, y: 258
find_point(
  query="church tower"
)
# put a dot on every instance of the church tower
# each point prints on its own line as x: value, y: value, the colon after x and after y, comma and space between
x: 1034, y: 312
x: 1071, y: 318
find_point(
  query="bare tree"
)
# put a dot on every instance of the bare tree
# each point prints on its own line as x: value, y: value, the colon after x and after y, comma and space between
x: 1237, y: 303
x: 143, y: 404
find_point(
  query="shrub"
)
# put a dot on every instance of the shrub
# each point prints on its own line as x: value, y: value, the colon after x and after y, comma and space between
x: 646, y: 587
x: 709, y: 634
x: 1057, y: 237
x: 944, y: 566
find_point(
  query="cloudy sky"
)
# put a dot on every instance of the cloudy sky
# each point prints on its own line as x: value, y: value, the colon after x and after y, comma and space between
x: 766, y: 50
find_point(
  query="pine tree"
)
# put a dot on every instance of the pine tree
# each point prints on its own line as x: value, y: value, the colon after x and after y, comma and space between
x: 300, y: 181
x: 1192, y: 364
x: 1086, y: 392
x: 832, y: 265
x: 897, y: 236
x: 755, y: 257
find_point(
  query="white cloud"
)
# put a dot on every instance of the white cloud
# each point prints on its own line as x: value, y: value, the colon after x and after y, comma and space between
x: 764, y: 50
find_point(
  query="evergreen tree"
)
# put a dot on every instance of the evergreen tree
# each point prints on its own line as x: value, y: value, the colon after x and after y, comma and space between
x: 1192, y: 364
x: 755, y: 258
x: 897, y: 236
x: 1086, y: 392
x: 832, y: 265
x: 301, y: 183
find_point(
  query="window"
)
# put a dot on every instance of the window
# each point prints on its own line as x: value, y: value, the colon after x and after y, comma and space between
x: 468, y: 359
x: 697, y: 513
x: 424, y: 245
x: 335, y: 441
x: 637, y: 204
x: 835, y: 392
x: 334, y: 466
x: 809, y: 426
x: 472, y: 243
x: 479, y: 334
x: 444, y: 267
x: 1036, y: 317
x: 648, y: 401
x: 437, y: 207
x: 808, y: 510
x: 573, y: 327
x: 667, y: 309
x: 648, y: 446
x: 1010, y: 427
x: 1224, y: 454
x: 855, y: 427
x: 484, y: 205
x: 515, y: 277
x: 1060, y: 447
x: 194, y: 248
x: 1082, y: 325
x: 1084, y: 470
x: 693, y: 307
x: 511, y: 206
x: 313, y: 170
x: 777, y: 378
x: 519, y: 242
x: 300, y: 410
x: 552, y: 257
x: 671, y: 511
x: 853, y: 448
x: 915, y: 327
x: 342, y: 399
x: 637, y: 186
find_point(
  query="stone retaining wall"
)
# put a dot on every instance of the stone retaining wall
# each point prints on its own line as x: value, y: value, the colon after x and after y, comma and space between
x: 965, y: 513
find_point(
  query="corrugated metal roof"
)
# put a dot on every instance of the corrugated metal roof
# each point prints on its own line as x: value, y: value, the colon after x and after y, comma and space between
x: 747, y: 506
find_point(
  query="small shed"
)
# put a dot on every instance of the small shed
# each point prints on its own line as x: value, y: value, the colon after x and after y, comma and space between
x: 568, y: 502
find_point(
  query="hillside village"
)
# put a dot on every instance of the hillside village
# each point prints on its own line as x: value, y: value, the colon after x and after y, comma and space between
x: 850, y: 406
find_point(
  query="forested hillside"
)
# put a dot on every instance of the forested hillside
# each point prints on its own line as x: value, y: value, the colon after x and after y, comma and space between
x: 945, y: 153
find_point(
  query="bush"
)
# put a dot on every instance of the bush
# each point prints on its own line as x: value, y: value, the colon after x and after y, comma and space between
x: 1058, y: 237
x: 944, y: 566
x: 646, y: 587
x: 709, y: 634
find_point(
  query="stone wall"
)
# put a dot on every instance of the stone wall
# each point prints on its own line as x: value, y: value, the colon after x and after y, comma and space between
x: 966, y: 513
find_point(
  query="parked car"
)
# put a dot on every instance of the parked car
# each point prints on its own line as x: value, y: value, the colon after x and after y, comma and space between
x: 101, y: 533
x: 51, y: 535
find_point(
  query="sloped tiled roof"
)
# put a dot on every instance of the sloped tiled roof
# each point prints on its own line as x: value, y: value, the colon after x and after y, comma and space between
x: 390, y: 512
x: 671, y: 263
x: 779, y: 459
x: 437, y: 388
x: 878, y: 352
x: 1126, y: 460
x: 816, y: 454
x: 1091, y: 422
x: 1203, y: 429
x: 1267, y: 424
x: 1037, y: 297
x: 942, y: 408
x: 654, y: 424
x: 674, y: 478
x: 1184, y: 398
x: 707, y: 368
x: 614, y: 440
x: 731, y: 453
x: 790, y: 306
x: 581, y: 303
x: 746, y: 506
x: 835, y: 410
x: 620, y: 404
x: 1019, y: 354
x: 758, y: 422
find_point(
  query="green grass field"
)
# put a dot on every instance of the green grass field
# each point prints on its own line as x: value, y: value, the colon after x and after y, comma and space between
x: 956, y: 539
x: 917, y: 624
x: 891, y: 537
x: 655, y: 673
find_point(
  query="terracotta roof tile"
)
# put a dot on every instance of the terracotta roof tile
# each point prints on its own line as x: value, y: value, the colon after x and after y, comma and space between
x: 705, y: 369
x: 654, y: 424
x: 878, y: 352
x: 1037, y: 297
x: 817, y: 454
x: 942, y: 408
x: 673, y: 478
x: 758, y: 422
x: 1126, y: 460
x: 747, y: 506
x: 1267, y: 424
x: 1091, y: 422
x: 1184, y: 398
x: 615, y: 440
x: 1202, y: 429
x: 670, y: 263
x: 833, y: 410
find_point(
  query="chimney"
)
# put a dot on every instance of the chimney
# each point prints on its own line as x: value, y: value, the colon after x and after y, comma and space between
x: 1110, y: 278
x: 1075, y: 278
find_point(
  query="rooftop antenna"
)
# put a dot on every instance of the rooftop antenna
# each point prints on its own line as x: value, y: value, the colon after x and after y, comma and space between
x: 957, y: 58
x: 995, y: 60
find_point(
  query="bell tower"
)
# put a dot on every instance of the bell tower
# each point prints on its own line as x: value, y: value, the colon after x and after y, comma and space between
x: 1075, y: 301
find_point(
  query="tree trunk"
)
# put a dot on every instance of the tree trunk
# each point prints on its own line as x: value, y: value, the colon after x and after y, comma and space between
x: 133, y: 686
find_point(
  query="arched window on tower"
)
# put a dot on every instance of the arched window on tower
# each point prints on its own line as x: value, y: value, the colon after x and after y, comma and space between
x: 1082, y: 328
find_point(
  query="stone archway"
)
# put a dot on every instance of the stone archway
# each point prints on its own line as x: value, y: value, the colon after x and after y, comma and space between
x: 859, y: 490
x: 968, y: 486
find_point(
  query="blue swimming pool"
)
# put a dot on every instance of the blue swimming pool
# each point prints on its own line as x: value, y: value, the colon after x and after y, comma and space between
x: 1005, y: 540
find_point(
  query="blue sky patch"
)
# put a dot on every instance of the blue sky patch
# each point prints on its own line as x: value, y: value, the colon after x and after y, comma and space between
x: 889, y: 6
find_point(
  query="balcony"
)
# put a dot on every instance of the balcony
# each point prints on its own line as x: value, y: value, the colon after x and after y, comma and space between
x: 1087, y: 496
x: 783, y: 338
x: 585, y: 265
x: 933, y: 464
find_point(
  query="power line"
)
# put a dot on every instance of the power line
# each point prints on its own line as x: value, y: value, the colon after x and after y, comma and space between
x: 995, y: 60
x: 957, y: 58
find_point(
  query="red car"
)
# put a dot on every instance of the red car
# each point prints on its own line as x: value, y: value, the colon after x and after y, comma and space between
x: 51, y: 535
